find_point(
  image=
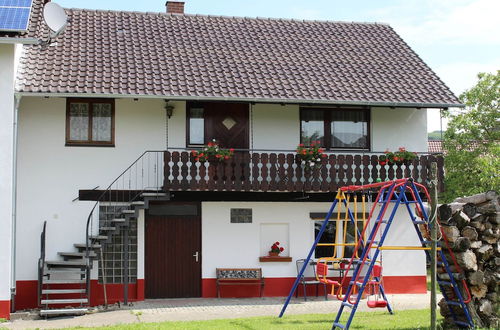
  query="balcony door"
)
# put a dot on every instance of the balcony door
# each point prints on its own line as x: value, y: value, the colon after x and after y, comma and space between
x: 227, y: 123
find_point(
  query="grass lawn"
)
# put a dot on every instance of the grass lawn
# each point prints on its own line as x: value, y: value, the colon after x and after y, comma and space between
x: 407, y: 319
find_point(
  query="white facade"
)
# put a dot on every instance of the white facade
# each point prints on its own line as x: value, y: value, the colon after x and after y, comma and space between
x: 51, y: 174
x: 291, y: 225
x: 7, y: 54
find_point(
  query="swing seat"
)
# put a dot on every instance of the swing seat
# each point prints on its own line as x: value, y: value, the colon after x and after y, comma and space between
x: 377, y: 303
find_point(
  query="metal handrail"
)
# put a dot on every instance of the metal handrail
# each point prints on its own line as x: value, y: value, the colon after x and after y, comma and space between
x: 89, y: 218
x: 41, y: 261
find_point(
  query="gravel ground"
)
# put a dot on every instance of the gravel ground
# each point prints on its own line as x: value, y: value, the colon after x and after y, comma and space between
x: 158, y: 310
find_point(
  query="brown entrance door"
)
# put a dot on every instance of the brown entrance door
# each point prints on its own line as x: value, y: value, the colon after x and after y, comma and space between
x: 173, y: 256
x: 227, y: 123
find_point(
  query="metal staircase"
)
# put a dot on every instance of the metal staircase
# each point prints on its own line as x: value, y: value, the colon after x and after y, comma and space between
x: 64, y: 284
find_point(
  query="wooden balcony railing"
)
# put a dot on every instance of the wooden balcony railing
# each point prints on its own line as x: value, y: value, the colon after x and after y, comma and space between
x: 281, y: 172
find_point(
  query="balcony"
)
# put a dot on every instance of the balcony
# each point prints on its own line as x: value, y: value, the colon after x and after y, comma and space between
x: 252, y: 171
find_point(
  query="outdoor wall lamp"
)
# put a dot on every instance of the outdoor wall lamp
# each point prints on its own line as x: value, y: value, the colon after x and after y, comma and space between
x: 169, y: 108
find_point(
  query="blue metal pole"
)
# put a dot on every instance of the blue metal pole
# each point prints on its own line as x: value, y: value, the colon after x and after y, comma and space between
x: 306, y: 263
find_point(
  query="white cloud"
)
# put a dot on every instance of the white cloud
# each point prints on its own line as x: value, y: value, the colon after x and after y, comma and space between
x: 460, y: 76
x: 457, y: 22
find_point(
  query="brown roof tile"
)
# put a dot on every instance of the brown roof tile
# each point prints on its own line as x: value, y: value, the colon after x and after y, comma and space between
x: 110, y: 52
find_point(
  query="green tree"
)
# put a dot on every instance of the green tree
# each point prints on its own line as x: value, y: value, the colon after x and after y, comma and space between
x: 471, y: 141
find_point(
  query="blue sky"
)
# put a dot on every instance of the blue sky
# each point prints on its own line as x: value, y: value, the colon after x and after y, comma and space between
x: 456, y: 38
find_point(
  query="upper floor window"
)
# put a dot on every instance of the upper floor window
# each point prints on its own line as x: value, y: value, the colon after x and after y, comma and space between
x: 335, y: 128
x: 90, y: 122
x: 196, y: 126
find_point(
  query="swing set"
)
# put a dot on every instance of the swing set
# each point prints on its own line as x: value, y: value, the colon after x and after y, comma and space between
x: 363, y: 270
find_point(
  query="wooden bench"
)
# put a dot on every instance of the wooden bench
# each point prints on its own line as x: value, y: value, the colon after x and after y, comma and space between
x: 239, y: 276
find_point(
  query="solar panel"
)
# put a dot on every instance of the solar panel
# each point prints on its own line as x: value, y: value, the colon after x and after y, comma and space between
x: 14, y: 15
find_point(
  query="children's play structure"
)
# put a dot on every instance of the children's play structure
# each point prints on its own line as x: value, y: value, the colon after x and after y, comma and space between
x: 362, y: 272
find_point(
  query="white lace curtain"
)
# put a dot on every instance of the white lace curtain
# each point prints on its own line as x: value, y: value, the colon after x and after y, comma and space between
x: 101, y: 122
x: 349, y: 129
x: 79, y: 121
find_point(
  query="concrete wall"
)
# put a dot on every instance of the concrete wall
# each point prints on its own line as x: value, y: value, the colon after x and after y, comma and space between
x: 7, y: 53
x: 400, y: 127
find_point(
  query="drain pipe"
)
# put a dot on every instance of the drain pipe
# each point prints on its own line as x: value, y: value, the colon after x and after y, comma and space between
x: 17, y: 100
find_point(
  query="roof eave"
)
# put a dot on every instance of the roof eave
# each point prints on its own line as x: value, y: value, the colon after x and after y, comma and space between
x: 24, y: 41
x: 250, y: 99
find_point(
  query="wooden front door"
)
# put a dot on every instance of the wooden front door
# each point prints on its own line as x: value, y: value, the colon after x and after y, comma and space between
x: 173, y: 256
x: 227, y: 123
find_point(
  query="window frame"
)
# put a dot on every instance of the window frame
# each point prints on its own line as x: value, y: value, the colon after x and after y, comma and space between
x: 90, y: 142
x: 327, y: 120
x: 189, y: 106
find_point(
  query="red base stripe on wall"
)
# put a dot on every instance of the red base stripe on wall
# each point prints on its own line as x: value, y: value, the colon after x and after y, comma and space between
x: 27, y: 295
x: 280, y: 287
x: 5, y: 309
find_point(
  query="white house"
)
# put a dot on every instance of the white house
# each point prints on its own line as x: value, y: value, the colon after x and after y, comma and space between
x: 112, y: 109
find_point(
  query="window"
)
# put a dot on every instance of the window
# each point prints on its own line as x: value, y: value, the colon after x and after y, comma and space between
x: 196, y: 126
x: 241, y: 215
x: 90, y: 122
x: 335, y: 128
x: 345, y: 233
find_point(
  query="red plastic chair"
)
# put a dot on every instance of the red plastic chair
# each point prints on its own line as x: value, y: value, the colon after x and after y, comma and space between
x: 321, y: 275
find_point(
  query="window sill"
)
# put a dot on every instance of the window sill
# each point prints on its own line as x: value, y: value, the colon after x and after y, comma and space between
x: 69, y: 144
x: 275, y: 259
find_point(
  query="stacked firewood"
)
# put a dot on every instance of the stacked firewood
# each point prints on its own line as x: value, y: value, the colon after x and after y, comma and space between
x: 472, y: 226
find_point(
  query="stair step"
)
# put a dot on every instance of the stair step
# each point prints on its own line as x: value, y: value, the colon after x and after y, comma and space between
x: 63, y: 281
x: 107, y: 228
x: 445, y: 283
x: 99, y: 237
x: 64, y: 301
x: 71, y: 311
x: 119, y: 220
x: 128, y: 211
x: 339, y: 325
x: 151, y: 194
x: 78, y: 254
x: 137, y: 203
x: 62, y: 291
x: 420, y: 222
x: 66, y: 264
x: 454, y: 303
x: 91, y: 246
x: 64, y: 271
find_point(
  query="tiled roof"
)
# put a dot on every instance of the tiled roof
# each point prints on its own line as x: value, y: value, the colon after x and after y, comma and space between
x: 435, y: 146
x: 176, y: 56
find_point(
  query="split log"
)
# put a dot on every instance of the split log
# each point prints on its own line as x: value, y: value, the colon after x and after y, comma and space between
x: 494, y: 219
x: 476, y: 244
x: 451, y: 232
x: 467, y: 260
x: 478, y: 223
x: 491, y: 236
x: 470, y: 233
x: 485, y: 307
x: 445, y: 211
x: 485, y: 252
x: 476, y: 278
x: 490, y: 207
x: 491, y: 278
x: 479, y: 291
x: 478, y: 198
x: 460, y: 219
x: 475, y: 317
x: 462, y: 244
x: 470, y: 209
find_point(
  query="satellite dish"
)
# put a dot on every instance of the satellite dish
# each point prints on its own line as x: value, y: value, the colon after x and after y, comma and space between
x: 55, y: 17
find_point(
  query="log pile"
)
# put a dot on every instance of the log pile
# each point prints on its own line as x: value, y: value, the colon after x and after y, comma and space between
x: 472, y: 226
